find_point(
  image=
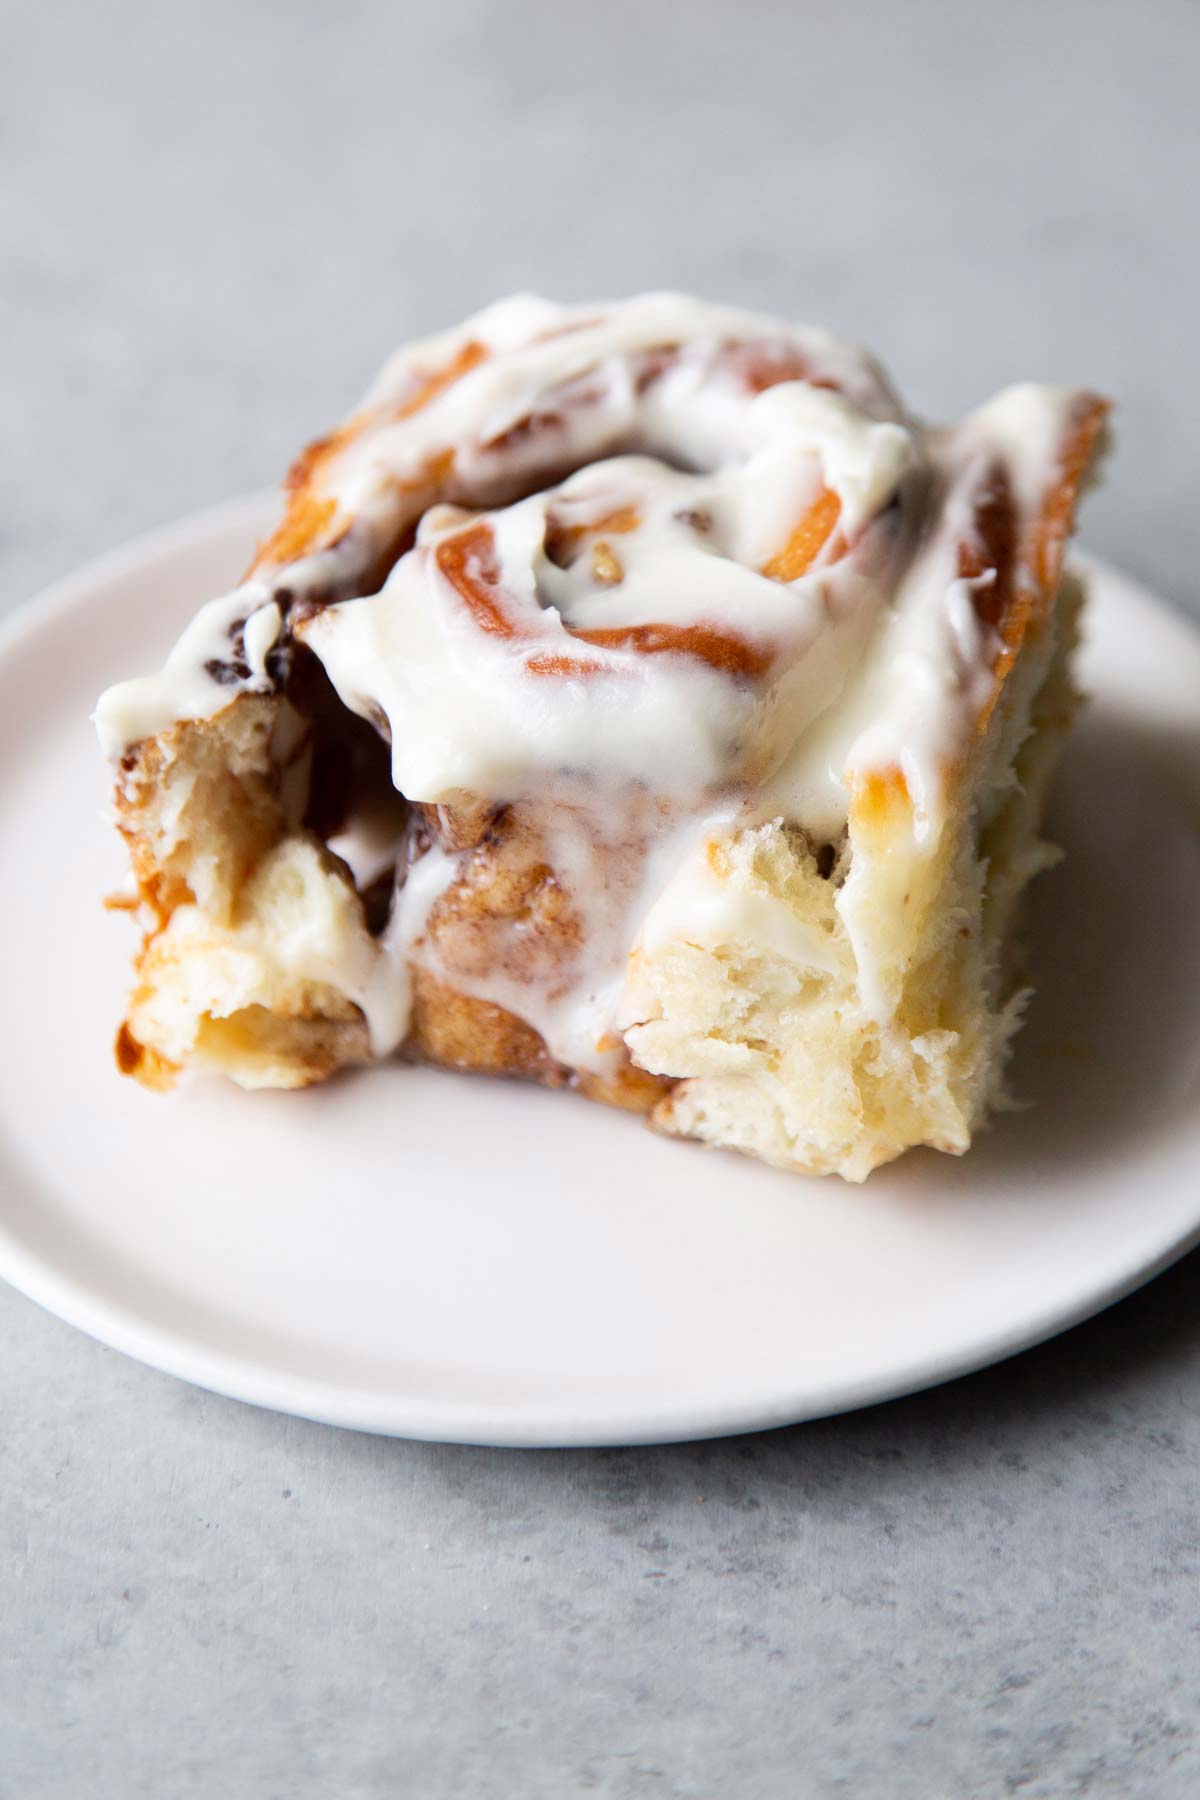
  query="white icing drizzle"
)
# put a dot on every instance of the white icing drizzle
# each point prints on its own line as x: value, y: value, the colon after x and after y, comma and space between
x: 746, y: 595
x: 698, y: 907
x: 611, y: 853
x: 260, y: 633
x: 222, y: 654
x: 916, y: 692
x: 185, y: 687
x: 468, y: 708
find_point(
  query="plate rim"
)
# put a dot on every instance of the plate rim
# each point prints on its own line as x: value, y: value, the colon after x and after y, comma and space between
x: 450, y: 1419
x: 530, y: 1427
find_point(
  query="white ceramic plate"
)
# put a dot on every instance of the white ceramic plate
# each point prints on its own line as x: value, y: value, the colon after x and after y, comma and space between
x: 449, y: 1257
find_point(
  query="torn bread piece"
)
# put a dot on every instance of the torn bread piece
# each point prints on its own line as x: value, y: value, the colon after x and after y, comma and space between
x: 634, y: 698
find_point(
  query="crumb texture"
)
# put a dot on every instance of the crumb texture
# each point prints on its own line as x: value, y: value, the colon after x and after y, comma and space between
x: 785, y: 1057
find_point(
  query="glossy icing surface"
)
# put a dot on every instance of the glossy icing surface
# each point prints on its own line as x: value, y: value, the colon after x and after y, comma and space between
x: 653, y: 570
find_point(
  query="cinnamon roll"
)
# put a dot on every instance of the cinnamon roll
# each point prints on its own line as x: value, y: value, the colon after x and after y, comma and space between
x: 632, y: 697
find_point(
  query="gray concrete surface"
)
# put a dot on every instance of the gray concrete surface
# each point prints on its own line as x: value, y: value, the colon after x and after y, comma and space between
x: 215, y: 219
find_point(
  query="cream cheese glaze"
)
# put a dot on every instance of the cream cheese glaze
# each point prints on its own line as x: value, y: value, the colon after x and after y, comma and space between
x: 661, y: 569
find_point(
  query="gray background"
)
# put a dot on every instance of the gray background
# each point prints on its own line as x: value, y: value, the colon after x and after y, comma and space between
x: 216, y: 219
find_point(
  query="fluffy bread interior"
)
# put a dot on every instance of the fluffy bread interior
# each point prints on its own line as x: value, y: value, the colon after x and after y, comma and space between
x: 257, y: 927
x: 790, y: 1061
x: 252, y: 924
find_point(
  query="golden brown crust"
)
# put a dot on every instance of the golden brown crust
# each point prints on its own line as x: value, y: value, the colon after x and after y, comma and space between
x: 453, y: 1030
x: 1027, y: 574
x: 458, y: 1031
x: 145, y: 1065
x: 310, y: 521
x: 1027, y: 602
